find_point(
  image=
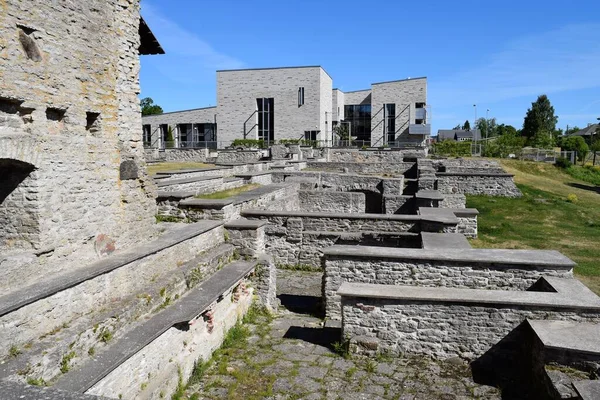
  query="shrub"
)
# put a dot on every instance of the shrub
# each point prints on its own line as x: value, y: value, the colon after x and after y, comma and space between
x: 562, y: 162
x: 450, y: 148
x: 290, y: 141
x: 572, y: 198
x: 574, y: 143
x: 249, y: 143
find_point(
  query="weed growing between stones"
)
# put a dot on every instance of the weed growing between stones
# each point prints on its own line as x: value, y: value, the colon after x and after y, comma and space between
x: 105, y: 335
x: 65, y: 362
x: 36, y: 381
x: 342, y: 348
x: 14, y: 351
x: 167, y: 218
x: 299, y: 267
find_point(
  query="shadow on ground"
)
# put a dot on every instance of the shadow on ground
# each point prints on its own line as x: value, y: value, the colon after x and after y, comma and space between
x: 590, y: 188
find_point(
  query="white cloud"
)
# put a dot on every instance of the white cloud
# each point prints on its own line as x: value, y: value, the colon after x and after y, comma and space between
x: 185, y: 50
x: 550, y: 62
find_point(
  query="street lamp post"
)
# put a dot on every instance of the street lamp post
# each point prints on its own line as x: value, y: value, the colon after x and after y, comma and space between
x: 475, y: 121
x: 487, y: 127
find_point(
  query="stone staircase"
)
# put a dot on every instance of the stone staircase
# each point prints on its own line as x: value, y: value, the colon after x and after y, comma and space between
x: 75, y: 329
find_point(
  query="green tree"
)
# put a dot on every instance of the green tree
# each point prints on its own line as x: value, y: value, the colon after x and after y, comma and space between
x: 487, y: 127
x: 539, y: 124
x: 502, y: 130
x: 574, y: 143
x: 149, y: 108
x: 457, y: 127
x: 341, y: 132
x: 510, y: 142
x: 466, y: 126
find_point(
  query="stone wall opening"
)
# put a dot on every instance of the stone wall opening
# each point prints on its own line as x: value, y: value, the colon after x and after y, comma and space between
x: 373, y: 201
x: 19, y: 207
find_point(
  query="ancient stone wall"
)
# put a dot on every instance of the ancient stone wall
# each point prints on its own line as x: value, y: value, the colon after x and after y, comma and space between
x: 381, y: 168
x: 370, y: 156
x: 329, y: 200
x: 69, y: 107
x: 192, y: 155
x: 440, y: 329
x: 476, y: 275
x: 477, y: 184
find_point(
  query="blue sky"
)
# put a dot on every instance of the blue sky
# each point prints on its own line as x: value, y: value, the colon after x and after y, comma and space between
x: 499, y: 55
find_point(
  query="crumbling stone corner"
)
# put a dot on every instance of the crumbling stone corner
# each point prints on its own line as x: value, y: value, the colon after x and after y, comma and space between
x: 265, y: 280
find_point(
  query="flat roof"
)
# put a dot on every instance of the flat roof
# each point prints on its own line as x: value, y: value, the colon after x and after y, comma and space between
x: 399, y: 80
x: 180, y: 111
x: 266, y: 68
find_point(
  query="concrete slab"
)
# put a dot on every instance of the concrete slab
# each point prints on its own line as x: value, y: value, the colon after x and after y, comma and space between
x: 170, y: 182
x: 560, y: 300
x: 245, y: 224
x: 588, y: 390
x: 444, y: 241
x: 568, y: 335
x: 534, y: 258
x: 293, y: 214
x: 438, y: 211
x: 17, y: 390
x: 189, y: 307
x: 429, y: 195
x: 173, y: 195
x: 47, y: 287
x: 206, y: 203
x: 473, y: 174
x: 191, y: 170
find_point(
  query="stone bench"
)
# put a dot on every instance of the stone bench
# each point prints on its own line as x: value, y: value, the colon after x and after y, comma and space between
x: 432, y: 241
x: 186, y: 311
x: 273, y: 195
x: 491, y: 184
x: 447, y: 322
x: 509, y: 270
x: 467, y: 218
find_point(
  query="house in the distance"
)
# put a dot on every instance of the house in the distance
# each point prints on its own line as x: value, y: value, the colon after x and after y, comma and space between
x: 459, y: 135
x: 296, y: 103
x: 587, y: 133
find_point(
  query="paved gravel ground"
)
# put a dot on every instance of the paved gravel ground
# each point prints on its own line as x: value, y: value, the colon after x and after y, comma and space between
x: 291, y: 356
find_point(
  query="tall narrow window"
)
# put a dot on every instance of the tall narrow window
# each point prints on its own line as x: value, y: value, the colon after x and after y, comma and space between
x: 147, y: 135
x: 266, y: 119
x: 389, y: 115
x: 300, y: 96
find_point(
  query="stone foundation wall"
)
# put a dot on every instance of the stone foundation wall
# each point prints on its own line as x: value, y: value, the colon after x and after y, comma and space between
x: 242, y: 156
x: 467, y: 226
x: 439, y: 330
x: 488, y: 184
x: 394, y: 204
x: 429, y: 274
x: 192, y: 155
x: 347, y: 182
x: 370, y: 156
x: 397, y: 168
x: 154, y: 372
x: 453, y: 201
x: 328, y: 200
x: 34, y: 320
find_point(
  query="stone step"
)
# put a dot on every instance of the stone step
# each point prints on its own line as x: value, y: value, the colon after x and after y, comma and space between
x: 588, y: 390
x: 51, y: 305
x: 568, y: 336
x: 43, y: 357
x: 189, y: 307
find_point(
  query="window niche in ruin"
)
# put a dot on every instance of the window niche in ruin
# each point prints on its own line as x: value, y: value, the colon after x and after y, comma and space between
x: 18, y: 206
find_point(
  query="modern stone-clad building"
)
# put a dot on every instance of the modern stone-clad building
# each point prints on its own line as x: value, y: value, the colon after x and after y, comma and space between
x: 286, y: 103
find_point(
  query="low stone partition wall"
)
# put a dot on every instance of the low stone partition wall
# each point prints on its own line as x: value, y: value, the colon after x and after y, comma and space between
x: 371, y: 155
x: 453, y: 201
x: 196, y: 186
x: 239, y: 156
x: 491, y: 269
x: 192, y: 155
x: 331, y: 201
x: 467, y: 165
x: 398, y: 204
x: 449, y: 322
x: 260, y: 177
x: 467, y: 218
x: 491, y: 184
x: 347, y: 182
x: 276, y: 196
x: 195, y: 173
x: 397, y: 168
x: 292, y: 223
x: 307, y: 248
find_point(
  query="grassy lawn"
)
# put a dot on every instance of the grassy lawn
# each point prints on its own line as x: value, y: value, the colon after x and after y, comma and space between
x: 543, y: 218
x: 224, y: 194
x: 175, y: 166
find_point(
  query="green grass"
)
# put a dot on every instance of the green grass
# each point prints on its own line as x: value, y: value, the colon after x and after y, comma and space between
x: 175, y: 166
x: 543, y: 218
x: 224, y: 194
x: 587, y: 173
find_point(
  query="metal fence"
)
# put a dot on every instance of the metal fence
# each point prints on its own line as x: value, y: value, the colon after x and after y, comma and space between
x: 266, y: 144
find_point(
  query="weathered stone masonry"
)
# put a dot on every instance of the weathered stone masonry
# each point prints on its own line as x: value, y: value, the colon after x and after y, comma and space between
x: 79, y: 129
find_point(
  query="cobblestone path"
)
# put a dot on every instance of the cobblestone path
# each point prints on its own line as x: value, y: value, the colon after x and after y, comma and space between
x: 291, y: 356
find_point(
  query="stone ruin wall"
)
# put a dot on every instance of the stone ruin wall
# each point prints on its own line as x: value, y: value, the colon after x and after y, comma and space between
x: 441, y: 330
x: 69, y: 108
